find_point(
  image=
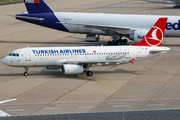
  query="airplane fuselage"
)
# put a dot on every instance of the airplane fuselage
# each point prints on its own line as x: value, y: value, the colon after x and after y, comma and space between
x: 78, y: 22
x: 57, y: 56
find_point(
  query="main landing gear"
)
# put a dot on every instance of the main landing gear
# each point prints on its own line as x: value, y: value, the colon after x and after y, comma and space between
x: 117, y: 40
x: 26, y: 71
x: 89, y: 73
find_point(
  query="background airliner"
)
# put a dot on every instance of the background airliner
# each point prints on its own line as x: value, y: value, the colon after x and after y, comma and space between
x: 134, y: 27
x: 176, y: 2
x: 76, y: 60
x: 2, y: 113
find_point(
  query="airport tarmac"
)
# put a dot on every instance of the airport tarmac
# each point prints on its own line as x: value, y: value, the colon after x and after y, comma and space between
x: 145, y: 85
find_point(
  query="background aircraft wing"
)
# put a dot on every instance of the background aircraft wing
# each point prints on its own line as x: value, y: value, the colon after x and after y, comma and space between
x: 114, y: 29
x: 178, y: 1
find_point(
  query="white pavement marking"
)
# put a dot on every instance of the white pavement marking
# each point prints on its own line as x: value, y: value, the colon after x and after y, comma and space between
x: 116, y: 103
x: 88, y: 107
x: 121, y: 106
x: 12, y: 107
x: 51, y: 108
x: 16, y: 110
x: 64, y: 104
x: 155, y: 104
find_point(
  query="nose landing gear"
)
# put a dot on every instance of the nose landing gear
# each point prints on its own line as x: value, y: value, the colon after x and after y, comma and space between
x: 26, y: 71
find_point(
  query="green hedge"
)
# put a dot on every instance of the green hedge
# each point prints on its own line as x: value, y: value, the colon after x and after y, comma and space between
x: 9, y: 1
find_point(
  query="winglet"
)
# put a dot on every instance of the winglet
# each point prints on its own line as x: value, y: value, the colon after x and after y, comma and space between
x: 154, y: 37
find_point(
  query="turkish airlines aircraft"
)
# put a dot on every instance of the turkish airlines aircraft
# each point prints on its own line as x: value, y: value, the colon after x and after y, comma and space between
x: 2, y: 113
x: 176, y: 2
x: 76, y: 60
x: 134, y: 27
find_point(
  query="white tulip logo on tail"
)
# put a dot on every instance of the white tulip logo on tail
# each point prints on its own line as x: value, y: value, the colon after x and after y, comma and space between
x: 156, y: 36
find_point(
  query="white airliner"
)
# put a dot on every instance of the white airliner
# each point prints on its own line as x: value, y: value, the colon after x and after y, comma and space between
x: 134, y: 27
x: 176, y: 2
x: 76, y: 60
x: 2, y: 113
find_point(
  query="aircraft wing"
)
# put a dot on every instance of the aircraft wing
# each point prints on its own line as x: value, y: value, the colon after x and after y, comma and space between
x: 116, y: 29
x: 176, y: 1
x: 96, y: 63
x: 2, y: 113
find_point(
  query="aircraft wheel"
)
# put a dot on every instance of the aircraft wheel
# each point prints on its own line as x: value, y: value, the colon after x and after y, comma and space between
x: 89, y: 73
x: 114, y: 43
x: 125, y: 41
x: 25, y: 74
x: 175, y: 7
x: 109, y: 43
x: 118, y: 42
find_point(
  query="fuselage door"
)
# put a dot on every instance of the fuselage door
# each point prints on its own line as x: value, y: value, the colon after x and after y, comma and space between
x: 28, y: 55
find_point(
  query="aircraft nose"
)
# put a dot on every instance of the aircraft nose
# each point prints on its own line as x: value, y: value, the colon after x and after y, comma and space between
x: 5, y: 60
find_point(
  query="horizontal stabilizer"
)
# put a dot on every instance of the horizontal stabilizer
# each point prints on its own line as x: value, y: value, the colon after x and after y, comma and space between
x: 160, y: 50
x: 29, y: 18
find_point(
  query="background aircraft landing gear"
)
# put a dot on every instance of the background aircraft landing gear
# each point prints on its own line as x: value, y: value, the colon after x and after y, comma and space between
x: 117, y: 40
x: 124, y: 41
x: 89, y: 73
x: 176, y: 7
x: 26, y: 72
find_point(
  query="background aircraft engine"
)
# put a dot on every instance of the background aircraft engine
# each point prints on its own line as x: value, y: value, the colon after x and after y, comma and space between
x: 72, y: 69
x: 138, y: 35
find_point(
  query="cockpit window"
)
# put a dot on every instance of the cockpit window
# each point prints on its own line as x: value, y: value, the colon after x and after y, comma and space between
x: 11, y: 54
x: 14, y: 54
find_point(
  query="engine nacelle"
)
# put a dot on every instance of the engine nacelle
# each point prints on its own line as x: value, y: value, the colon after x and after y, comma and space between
x: 72, y: 69
x: 91, y: 38
x: 138, y: 35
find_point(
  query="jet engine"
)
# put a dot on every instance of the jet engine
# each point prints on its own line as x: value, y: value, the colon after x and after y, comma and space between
x: 138, y: 35
x: 73, y: 69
